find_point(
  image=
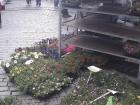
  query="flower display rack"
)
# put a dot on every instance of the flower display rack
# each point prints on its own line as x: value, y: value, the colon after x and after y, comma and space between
x: 102, y: 26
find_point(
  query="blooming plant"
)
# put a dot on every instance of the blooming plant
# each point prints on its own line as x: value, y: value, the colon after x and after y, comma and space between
x: 73, y: 62
x: 76, y: 60
x: 83, y: 94
x: 49, y: 47
x: 21, y: 56
x: 132, y: 48
x: 41, y: 78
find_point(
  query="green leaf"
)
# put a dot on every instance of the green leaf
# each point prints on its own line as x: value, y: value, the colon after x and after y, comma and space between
x: 111, y: 101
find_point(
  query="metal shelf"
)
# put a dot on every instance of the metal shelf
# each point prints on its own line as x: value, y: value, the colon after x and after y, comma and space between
x: 101, y: 26
x: 108, y: 10
x: 101, y: 45
x: 104, y: 27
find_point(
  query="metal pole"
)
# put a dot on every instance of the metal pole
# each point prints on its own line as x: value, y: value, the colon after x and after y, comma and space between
x: 138, y: 77
x: 60, y: 23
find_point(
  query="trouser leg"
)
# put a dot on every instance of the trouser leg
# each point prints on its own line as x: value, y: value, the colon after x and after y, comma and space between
x: 0, y: 21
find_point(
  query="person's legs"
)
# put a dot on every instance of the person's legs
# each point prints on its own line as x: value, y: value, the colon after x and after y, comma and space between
x: 39, y: 3
x: 27, y: 2
x: 56, y: 3
x: 0, y: 21
x: 36, y: 2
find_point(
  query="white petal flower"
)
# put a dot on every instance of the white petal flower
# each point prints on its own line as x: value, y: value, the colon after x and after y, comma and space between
x: 29, y: 55
x: 24, y: 57
x: 23, y: 51
x: 29, y: 62
x: 11, y: 57
x: 15, y: 61
x: 36, y: 56
x: 40, y: 54
x: 16, y: 56
x: 7, y: 65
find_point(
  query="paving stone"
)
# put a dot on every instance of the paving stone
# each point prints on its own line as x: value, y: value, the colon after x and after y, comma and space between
x: 16, y: 93
x: 42, y: 104
x: 62, y: 94
x: 28, y: 101
x: 6, y: 79
x: 10, y: 84
x: 24, y: 97
x: 24, y: 103
x: 53, y: 102
x: 5, y: 93
x: 3, y: 84
x: 35, y: 104
x: 3, y: 89
x: 1, y: 79
x: 2, y: 72
x: 3, y: 76
x: 13, y: 89
x: 35, y: 100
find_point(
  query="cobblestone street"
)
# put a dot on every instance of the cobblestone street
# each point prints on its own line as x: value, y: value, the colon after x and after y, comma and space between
x: 22, y: 26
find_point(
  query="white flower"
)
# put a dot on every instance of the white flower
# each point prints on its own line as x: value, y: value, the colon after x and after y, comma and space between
x: 78, y: 87
x: 15, y: 61
x: 16, y: 56
x: 7, y: 65
x: 23, y: 51
x: 33, y: 88
x: 11, y: 57
x: 40, y: 54
x: 58, y: 84
x: 24, y: 57
x: 36, y: 56
x: 29, y: 62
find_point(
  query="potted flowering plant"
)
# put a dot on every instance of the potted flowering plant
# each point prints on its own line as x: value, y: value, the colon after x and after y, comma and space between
x: 21, y: 56
x: 41, y: 78
x: 132, y: 48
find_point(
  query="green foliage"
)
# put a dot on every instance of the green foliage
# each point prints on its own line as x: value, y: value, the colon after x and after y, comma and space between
x: 19, y: 58
x: 98, y: 85
x: 72, y: 62
x: 76, y: 60
x: 40, y: 78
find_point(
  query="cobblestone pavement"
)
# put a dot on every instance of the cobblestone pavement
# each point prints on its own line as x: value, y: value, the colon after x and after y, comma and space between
x: 23, y: 25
